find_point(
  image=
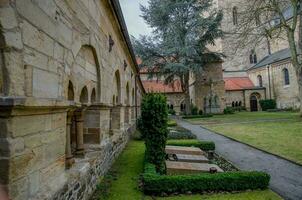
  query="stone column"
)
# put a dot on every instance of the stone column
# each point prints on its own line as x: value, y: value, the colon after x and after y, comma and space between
x: 79, y: 132
x: 69, y: 156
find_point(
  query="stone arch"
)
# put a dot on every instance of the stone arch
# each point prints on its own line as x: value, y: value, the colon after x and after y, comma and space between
x: 70, y: 92
x: 254, y: 101
x: 84, y: 95
x: 286, y: 76
x: 86, y: 70
x: 127, y: 94
x: 260, y: 82
x: 93, y: 96
x: 117, y: 88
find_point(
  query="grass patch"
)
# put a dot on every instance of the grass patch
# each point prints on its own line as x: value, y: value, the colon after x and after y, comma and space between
x: 245, y: 117
x: 259, y: 195
x: 282, y: 138
x: 275, y: 132
x: 122, y: 183
x: 172, y: 123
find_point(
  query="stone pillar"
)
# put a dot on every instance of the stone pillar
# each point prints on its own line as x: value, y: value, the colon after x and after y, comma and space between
x: 69, y: 156
x: 79, y: 132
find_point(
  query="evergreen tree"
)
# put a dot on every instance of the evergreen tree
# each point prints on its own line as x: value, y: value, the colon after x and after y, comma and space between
x: 182, y: 31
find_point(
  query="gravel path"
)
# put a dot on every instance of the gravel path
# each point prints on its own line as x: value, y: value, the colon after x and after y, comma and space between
x: 286, y: 177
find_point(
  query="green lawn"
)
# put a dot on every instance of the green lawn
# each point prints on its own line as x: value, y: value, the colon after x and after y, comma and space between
x: 282, y: 137
x: 244, y: 117
x: 122, y: 181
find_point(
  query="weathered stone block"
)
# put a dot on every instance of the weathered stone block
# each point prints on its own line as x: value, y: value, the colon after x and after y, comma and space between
x: 33, y: 141
x: 45, y: 84
x: 37, y: 39
x: 174, y: 168
x: 8, y: 18
x: 24, y: 125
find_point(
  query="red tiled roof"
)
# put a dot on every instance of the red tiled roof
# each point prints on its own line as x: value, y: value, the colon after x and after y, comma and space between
x: 238, y: 83
x: 161, y: 87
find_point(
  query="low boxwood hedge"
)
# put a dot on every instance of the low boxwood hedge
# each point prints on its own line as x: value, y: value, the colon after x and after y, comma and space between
x: 196, y: 116
x: 179, y: 135
x: 204, y: 145
x: 155, y: 184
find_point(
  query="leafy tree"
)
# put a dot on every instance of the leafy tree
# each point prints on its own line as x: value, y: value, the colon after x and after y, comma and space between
x: 182, y: 31
x: 262, y: 21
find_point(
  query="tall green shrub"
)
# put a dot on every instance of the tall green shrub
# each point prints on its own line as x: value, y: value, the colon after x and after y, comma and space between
x: 154, y: 128
x: 268, y: 104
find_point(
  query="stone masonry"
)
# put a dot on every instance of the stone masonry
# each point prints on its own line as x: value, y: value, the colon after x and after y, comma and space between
x: 69, y: 95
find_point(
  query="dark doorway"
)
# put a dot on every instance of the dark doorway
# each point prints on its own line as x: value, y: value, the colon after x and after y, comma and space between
x: 254, y: 103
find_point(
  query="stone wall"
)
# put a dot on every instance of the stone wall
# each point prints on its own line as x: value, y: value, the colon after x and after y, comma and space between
x: 287, y: 96
x: 208, y: 89
x: 66, y: 73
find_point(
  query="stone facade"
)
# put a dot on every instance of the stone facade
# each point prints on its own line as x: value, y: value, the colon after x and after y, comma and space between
x: 207, y: 89
x: 286, y: 95
x: 69, y: 95
x: 238, y: 63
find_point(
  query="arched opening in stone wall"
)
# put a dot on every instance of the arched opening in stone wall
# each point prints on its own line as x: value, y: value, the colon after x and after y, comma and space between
x: 127, y: 102
x: 93, y: 96
x: 260, y: 83
x: 286, y: 76
x: 84, y: 95
x: 254, y: 101
x: 70, y: 92
x: 116, y: 110
x: 117, y: 82
x: 133, y: 104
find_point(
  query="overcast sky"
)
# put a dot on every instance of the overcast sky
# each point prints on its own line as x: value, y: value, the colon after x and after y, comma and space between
x: 135, y: 24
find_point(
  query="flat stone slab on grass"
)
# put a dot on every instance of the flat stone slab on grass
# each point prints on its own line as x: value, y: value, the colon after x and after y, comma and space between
x: 192, y: 158
x: 177, y: 168
x: 183, y: 150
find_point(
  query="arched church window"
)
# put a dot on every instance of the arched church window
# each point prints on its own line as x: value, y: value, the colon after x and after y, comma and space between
x: 286, y: 76
x: 70, y: 95
x: 260, y: 84
x: 84, y: 95
x: 253, y: 57
x: 235, y: 15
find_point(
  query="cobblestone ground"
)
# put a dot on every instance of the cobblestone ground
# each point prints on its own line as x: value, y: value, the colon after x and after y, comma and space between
x: 286, y: 177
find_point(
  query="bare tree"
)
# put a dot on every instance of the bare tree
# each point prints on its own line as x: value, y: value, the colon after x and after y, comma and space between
x: 265, y: 20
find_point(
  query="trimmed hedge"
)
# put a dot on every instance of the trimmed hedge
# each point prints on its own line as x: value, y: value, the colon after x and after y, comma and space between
x: 268, y: 104
x: 228, y: 110
x: 181, y: 135
x: 204, y: 145
x: 197, y: 116
x: 155, y: 184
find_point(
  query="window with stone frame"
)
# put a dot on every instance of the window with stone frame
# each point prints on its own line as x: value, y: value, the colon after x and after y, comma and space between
x: 235, y: 15
x: 260, y: 83
x: 253, y: 57
x: 286, y: 76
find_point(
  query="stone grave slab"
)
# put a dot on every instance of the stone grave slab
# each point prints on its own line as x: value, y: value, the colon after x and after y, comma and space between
x: 192, y: 158
x: 183, y: 150
x: 177, y: 168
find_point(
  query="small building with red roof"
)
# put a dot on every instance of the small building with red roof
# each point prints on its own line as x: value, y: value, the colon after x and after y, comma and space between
x: 242, y: 93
